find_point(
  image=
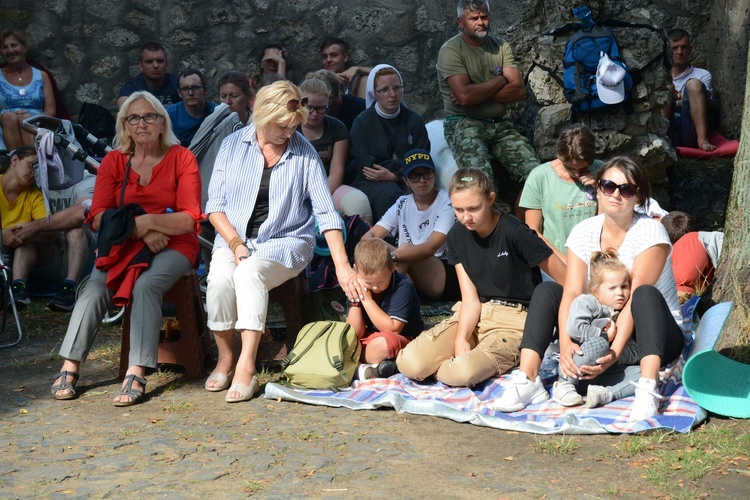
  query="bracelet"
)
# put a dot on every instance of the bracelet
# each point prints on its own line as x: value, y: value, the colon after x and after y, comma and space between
x: 355, y: 304
x: 235, y: 242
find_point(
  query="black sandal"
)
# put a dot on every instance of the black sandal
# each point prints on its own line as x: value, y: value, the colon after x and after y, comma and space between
x: 135, y: 395
x: 64, y: 385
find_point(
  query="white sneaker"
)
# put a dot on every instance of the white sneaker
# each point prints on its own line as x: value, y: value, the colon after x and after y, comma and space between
x: 596, y: 395
x: 367, y: 372
x: 564, y: 392
x: 521, y: 393
x: 646, y: 404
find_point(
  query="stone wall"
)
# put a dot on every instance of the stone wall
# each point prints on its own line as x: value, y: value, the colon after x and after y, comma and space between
x: 92, y: 48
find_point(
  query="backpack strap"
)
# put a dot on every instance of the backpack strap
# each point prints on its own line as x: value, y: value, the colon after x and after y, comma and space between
x: 551, y: 72
x: 663, y: 56
x: 290, y: 358
x: 334, y: 345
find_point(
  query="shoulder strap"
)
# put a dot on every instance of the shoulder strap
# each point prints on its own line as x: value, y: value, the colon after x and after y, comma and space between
x: 293, y: 356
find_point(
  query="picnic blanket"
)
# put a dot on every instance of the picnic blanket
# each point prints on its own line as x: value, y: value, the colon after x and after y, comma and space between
x: 677, y: 412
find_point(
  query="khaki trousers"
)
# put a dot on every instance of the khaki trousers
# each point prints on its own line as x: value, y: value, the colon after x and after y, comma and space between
x: 495, y: 345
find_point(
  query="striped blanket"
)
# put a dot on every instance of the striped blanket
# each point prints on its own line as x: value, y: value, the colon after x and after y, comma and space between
x: 677, y: 411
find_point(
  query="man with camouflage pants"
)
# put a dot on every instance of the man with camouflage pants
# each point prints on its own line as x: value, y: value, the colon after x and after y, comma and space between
x: 478, y: 78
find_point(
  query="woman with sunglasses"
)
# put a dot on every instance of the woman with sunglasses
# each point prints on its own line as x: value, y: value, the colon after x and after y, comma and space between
x: 146, y: 209
x: 330, y: 138
x: 421, y: 221
x: 498, y: 260
x: 267, y: 190
x: 381, y: 136
x: 648, y: 333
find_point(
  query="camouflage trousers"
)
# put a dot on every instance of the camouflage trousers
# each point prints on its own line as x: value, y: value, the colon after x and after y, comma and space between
x: 475, y: 142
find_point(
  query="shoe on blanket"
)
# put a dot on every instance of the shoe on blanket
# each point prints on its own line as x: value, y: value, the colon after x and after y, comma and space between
x: 521, y: 393
x: 646, y: 403
x: 565, y: 393
x: 367, y: 371
x: 597, y: 395
x: 387, y: 368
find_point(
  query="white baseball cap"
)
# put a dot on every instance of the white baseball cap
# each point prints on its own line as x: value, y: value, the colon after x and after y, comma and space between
x: 610, y: 80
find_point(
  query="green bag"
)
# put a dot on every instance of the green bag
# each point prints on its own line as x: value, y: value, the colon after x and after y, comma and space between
x: 325, y: 356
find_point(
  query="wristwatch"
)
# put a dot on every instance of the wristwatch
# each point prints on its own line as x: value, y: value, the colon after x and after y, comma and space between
x: 393, y: 256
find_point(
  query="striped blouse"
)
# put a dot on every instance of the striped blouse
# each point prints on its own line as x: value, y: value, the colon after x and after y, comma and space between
x: 298, y: 190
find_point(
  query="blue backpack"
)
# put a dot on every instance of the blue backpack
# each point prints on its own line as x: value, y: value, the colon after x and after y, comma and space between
x: 588, y: 40
x: 580, y: 63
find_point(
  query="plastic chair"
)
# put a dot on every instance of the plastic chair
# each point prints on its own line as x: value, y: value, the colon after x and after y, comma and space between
x: 190, y: 349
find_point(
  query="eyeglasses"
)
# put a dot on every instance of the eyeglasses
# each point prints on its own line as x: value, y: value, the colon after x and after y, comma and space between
x: 136, y: 119
x: 626, y: 190
x: 194, y: 89
x: 318, y: 109
x: 426, y: 175
x: 294, y: 104
x: 387, y: 90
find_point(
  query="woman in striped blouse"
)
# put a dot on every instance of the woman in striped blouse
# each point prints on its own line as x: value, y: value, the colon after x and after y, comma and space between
x: 267, y: 184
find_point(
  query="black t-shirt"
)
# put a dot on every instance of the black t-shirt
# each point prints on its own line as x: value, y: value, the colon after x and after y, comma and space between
x: 504, y: 265
x: 260, y: 211
x: 351, y: 107
x: 401, y: 302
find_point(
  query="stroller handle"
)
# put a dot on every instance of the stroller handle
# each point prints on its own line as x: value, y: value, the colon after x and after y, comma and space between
x: 32, y: 125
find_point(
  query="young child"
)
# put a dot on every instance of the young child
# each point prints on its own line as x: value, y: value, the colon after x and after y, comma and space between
x: 388, y: 316
x: 695, y: 254
x: 591, y: 322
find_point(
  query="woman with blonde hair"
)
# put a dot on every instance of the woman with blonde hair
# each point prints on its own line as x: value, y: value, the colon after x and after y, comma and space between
x: 267, y: 185
x: 147, y: 209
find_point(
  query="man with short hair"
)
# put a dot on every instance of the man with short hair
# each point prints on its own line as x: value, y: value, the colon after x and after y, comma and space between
x: 335, y: 54
x: 478, y: 78
x: 691, y: 90
x: 153, y: 76
x: 188, y: 115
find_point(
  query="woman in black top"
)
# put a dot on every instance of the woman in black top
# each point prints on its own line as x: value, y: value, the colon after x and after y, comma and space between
x: 497, y: 259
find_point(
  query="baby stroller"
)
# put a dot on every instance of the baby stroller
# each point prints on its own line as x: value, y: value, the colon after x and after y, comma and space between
x: 62, y: 163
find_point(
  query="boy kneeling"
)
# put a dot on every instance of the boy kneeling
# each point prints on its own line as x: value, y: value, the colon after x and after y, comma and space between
x: 388, y: 317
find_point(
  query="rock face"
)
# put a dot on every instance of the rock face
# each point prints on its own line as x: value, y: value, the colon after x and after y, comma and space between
x: 92, y: 48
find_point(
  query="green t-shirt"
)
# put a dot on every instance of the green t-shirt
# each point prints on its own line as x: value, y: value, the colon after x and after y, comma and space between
x: 563, y: 204
x: 456, y: 57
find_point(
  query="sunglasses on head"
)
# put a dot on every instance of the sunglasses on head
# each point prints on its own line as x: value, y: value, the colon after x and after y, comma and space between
x: 626, y: 190
x: 294, y: 104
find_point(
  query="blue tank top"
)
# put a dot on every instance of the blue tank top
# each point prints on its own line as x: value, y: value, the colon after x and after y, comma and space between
x: 29, y: 98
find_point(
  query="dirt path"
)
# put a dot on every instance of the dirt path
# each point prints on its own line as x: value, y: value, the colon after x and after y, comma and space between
x: 186, y: 442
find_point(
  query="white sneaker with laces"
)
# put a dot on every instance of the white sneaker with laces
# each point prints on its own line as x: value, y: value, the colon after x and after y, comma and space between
x: 646, y: 404
x: 367, y: 371
x: 521, y: 393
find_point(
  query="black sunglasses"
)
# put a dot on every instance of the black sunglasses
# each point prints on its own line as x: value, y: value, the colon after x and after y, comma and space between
x: 626, y: 190
x: 426, y: 175
x: 294, y: 104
